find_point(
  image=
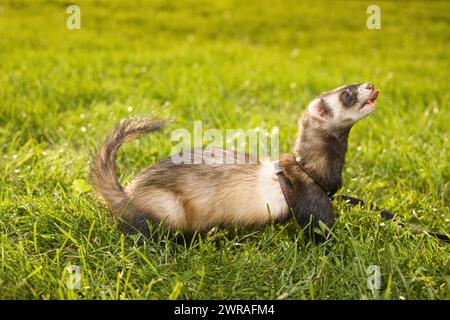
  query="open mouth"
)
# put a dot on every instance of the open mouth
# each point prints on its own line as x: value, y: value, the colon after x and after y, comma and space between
x: 370, y: 103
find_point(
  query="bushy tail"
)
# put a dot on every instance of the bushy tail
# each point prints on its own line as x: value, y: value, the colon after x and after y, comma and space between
x: 103, y: 174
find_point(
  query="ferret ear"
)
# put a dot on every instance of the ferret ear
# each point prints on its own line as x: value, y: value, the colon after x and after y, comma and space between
x: 318, y: 109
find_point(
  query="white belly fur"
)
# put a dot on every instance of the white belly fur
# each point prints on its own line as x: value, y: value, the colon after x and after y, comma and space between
x: 270, y: 193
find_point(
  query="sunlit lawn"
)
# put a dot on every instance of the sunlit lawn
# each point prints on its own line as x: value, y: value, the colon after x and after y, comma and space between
x: 229, y: 64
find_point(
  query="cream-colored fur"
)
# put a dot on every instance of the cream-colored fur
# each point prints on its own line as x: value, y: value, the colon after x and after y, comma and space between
x: 202, y: 206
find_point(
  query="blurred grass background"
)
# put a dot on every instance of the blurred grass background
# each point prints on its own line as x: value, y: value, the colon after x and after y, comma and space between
x: 230, y: 64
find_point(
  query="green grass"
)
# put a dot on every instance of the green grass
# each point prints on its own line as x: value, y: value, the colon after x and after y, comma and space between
x: 230, y: 64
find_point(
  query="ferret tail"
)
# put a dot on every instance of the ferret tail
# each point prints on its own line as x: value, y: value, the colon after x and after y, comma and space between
x: 103, y: 173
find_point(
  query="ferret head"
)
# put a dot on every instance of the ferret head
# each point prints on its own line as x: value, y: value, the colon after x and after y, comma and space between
x: 342, y: 107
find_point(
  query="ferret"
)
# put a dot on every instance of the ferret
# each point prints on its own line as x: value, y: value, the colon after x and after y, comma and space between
x: 198, y: 197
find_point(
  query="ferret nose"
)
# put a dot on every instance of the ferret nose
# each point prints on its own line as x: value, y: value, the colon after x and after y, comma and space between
x: 369, y: 86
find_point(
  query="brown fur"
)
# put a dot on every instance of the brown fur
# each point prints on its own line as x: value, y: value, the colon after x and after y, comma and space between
x: 103, y: 174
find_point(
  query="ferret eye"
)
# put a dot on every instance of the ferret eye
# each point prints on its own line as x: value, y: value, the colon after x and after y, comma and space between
x: 346, y: 96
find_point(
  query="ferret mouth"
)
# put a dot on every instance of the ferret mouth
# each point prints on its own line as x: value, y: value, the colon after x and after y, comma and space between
x: 370, y: 102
